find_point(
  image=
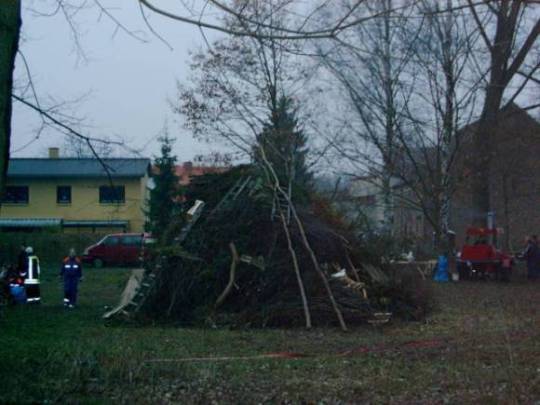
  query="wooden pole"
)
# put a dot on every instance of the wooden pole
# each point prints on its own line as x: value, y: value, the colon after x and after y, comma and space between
x: 305, y: 304
x: 353, y: 269
x: 314, y: 260
x: 318, y: 269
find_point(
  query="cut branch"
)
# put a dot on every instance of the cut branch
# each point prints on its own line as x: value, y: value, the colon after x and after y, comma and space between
x: 232, y: 273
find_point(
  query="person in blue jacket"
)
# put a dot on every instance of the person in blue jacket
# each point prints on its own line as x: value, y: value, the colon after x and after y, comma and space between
x: 71, y: 272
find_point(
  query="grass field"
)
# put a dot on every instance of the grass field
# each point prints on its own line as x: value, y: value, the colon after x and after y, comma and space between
x: 482, y: 344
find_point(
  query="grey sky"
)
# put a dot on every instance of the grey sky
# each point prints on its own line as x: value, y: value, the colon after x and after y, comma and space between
x: 128, y: 82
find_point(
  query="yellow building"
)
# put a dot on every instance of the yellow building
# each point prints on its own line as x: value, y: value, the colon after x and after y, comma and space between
x: 76, y: 194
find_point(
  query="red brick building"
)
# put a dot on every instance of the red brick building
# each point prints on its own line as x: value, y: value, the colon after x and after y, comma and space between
x: 514, y: 179
x: 188, y: 170
x: 514, y: 183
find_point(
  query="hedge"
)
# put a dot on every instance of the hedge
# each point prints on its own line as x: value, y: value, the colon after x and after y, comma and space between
x: 50, y: 247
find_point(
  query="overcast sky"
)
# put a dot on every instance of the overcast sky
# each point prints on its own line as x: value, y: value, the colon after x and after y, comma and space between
x: 127, y: 83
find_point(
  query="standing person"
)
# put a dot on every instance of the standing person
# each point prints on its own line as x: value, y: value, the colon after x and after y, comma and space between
x: 71, y: 272
x: 31, y: 277
x: 531, y: 254
x: 536, y: 259
x: 22, y: 261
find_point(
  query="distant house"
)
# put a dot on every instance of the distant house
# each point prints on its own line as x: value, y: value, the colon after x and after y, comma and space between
x: 187, y: 171
x: 75, y: 194
x: 514, y: 179
x: 514, y: 184
x: 365, y: 194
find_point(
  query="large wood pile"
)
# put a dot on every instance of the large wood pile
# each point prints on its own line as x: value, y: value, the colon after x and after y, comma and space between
x: 244, y: 265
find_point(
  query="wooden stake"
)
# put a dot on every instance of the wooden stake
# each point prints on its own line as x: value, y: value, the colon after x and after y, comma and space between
x: 278, y: 188
x: 305, y: 305
x: 353, y: 269
x: 318, y: 269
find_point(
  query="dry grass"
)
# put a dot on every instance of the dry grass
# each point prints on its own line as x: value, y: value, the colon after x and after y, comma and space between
x: 482, y: 344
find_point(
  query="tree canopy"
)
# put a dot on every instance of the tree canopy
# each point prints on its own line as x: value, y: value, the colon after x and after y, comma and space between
x: 285, y: 144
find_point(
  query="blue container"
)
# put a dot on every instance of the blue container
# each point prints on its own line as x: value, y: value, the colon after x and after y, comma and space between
x: 18, y: 293
x: 441, y: 275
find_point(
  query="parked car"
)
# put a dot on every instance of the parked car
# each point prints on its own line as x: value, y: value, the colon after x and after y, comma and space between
x: 116, y: 249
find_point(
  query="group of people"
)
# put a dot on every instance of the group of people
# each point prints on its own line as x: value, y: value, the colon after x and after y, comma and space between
x: 23, y: 279
x: 531, y: 254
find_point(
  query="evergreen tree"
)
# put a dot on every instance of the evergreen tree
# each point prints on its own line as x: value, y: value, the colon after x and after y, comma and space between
x: 164, y: 203
x: 284, y: 143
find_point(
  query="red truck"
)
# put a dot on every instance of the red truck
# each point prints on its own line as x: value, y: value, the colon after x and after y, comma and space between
x: 116, y: 249
x: 480, y: 258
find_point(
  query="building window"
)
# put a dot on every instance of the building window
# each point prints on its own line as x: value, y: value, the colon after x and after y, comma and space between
x: 112, y: 195
x: 63, y: 195
x: 16, y: 195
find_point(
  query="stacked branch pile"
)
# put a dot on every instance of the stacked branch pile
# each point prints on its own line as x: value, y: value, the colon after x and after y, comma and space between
x: 237, y: 266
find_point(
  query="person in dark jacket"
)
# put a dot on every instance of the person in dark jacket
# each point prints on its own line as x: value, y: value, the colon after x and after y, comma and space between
x: 71, y: 272
x: 22, y: 261
x: 531, y: 254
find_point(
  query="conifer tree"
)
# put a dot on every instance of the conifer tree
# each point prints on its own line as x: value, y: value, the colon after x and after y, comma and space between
x: 164, y: 203
x: 284, y: 143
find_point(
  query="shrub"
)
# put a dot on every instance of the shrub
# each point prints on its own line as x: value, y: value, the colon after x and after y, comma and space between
x: 50, y: 247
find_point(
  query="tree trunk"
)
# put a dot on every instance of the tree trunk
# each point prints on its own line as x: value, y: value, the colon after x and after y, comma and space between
x: 506, y: 58
x: 10, y: 25
x: 483, y: 138
x: 448, y: 66
x: 389, y: 124
x: 387, y: 204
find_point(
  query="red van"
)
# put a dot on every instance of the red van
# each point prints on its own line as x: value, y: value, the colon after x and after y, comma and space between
x: 116, y: 249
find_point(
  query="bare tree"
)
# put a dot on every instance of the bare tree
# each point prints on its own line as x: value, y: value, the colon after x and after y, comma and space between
x: 509, y: 30
x: 370, y: 65
x: 10, y: 28
x: 442, y: 104
x: 310, y: 18
x: 307, y: 25
x: 78, y: 148
x: 237, y: 83
x: 411, y: 116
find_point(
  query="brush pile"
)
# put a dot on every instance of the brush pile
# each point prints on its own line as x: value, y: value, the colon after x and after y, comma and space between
x: 237, y: 265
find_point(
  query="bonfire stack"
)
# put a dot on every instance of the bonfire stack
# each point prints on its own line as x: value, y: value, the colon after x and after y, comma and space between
x: 337, y: 287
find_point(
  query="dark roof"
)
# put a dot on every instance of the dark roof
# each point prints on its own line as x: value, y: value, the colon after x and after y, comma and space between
x: 511, y: 115
x: 74, y: 167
